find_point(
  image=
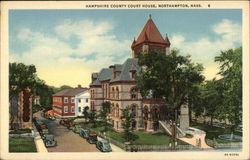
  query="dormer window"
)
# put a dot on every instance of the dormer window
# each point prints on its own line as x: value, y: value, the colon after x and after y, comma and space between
x: 116, y: 74
x: 132, y: 74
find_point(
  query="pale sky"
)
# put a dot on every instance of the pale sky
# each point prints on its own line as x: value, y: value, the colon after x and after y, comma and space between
x: 66, y: 46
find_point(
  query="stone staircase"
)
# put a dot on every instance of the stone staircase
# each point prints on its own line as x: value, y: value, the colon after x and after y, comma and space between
x: 168, y: 128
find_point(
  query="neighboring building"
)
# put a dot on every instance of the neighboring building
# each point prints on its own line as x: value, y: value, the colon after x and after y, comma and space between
x: 82, y: 101
x: 21, y: 110
x: 64, y: 101
x: 116, y: 84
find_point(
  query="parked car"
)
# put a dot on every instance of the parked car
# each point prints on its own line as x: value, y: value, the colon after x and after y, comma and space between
x: 84, y: 133
x: 53, y: 118
x: 92, y: 138
x: 103, y: 146
x: 49, y: 141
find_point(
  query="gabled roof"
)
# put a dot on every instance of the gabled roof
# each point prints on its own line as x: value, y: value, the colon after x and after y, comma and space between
x: 150, y: 33
x: 70, y: 91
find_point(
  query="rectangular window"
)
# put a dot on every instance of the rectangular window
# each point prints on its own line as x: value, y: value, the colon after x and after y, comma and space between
x: 65, y: 109
x: 87, y: 100
x: 72, y: 109
x: 65, y: 99
x: 72, y: 100
x: 79, y: 100
x: 79, y: 109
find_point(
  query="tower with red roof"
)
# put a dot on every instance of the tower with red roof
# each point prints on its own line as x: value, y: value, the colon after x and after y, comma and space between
x: 149, y: 39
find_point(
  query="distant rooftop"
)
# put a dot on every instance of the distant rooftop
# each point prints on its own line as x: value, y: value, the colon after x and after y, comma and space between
x: 70, y: 91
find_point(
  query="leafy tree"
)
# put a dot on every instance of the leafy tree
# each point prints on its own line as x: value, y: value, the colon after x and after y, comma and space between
x: 86, y: 114
x: 23, y: 76
x: 212, y: 99
x: 92, y: 116
x: 231, y: 72
x: 105, y: 121
x: 64, y: 87
x: 128, y: 119
x: 20, y: 77
x: 171, y: 77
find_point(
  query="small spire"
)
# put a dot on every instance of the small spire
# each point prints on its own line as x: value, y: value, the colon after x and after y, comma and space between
x: 150, y: 16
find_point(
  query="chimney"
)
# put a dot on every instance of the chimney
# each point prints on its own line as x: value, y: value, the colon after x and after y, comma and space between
x: 79, y: 86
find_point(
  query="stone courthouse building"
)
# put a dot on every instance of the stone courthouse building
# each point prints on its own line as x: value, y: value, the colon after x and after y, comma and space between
x: 116, y: 84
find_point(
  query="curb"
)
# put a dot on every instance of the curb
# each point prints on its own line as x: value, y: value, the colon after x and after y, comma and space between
x: 38, y: 141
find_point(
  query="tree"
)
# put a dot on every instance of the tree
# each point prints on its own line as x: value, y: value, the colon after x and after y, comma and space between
x: 86, y: 114
x: 105, y: 121
x: 23, y: 76
x: 20, y: 77
x: 128, y: 119
x: 212, y: 99
x: 171, y: 77
x: 92, y: 117
x: 231, y: 72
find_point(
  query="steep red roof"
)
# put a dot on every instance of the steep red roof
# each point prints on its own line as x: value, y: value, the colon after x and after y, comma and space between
x: 150, y: 33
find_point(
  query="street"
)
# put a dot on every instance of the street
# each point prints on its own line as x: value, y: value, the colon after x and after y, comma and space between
x: 67, y: 141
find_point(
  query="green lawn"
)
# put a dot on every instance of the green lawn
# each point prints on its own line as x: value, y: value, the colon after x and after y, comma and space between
x: 143, y: 137
x: 26, y: 144
x: 213, y: 132
x: 20, y: 131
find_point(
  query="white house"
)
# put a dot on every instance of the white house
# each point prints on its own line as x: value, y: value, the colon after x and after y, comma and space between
x: 82, y: 102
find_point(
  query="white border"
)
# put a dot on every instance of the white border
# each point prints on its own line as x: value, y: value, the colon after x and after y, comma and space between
x: 5, y: 6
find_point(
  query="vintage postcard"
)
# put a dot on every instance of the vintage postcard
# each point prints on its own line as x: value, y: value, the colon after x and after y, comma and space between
x: 125, y: 80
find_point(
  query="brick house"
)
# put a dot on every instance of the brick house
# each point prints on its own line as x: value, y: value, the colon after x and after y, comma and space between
x: 116, y: 84
x: 64, y: 102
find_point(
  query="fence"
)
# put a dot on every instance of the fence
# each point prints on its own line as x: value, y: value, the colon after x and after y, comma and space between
x: 144, y: 148
x: 217, y: 145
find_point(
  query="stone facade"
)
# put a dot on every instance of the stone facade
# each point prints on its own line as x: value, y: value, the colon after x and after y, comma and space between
x: 116, y: 85
x: 21, y: 110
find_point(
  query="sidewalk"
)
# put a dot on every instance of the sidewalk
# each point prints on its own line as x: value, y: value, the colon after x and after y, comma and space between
x: 197, y: 134
x: 114, y: 147
x: 38, y: 141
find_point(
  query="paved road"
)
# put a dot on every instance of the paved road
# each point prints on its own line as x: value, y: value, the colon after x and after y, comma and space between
x: 67, y: 141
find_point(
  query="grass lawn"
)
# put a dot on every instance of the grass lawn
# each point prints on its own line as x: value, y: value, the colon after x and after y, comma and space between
x: 20, y: 131
x: 214, y: 132
x: 26, y: 144
x: 144, y: 138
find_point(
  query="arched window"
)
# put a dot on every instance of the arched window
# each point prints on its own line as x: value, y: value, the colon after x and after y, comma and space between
x: 133, y: 110
x: 145, y: 113
x: 133, y: 93
x: 106, y: 90
x: 113, y: 92
x: 117, y: 110
x: 155, y: 113
x: 117, y: 92
x: 112, y: 109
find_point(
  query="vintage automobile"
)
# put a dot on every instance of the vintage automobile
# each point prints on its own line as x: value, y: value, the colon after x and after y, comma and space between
x: 103, y: 146
x: 84, y: 133
x: 92, y: 138
x: 67, y: 122
x: 49, y: 141
x: 76, y: 128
